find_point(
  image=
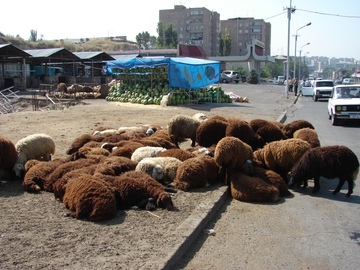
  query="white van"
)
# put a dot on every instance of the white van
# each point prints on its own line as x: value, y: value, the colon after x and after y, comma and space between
x: 348, y: 81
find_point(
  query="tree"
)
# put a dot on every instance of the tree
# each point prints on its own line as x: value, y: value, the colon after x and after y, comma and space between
x: 171, y: 40
x: 143, y: 40
x: 274, y: 69
x: 33, y: 35
x: 253, y: 78
x: 227, y: 43
x: 161, y: 37
x: 221, y: 45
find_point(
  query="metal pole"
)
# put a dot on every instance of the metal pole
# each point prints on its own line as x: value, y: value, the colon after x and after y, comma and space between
x: 299, y: 66
x: 295, y: 55
x: 289, y: 10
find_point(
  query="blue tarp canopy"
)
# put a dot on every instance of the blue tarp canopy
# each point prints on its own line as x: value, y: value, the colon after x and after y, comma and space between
x: 183, y: 72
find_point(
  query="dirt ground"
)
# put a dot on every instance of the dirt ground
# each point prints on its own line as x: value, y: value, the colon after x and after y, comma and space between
x: 34, y: 232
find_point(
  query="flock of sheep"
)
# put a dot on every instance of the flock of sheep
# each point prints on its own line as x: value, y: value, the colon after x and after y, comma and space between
x: 110, y: 168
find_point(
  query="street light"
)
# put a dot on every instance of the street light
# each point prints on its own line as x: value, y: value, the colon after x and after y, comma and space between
x: 296, y: 42
x: 300, y: 58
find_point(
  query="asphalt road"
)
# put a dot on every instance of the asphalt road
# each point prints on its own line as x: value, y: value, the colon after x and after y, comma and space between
x: 301, y: 232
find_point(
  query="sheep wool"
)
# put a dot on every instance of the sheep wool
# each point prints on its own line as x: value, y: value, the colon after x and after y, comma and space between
x: 291, y: 127
x: 335, y: 161
x: 8, y: 154
x: 252, y: 189
x: 182, y: 127
x: 146, y: 151
x: 309, y: 135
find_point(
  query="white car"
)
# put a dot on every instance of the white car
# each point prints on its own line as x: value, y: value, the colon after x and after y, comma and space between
x: 344, y: 103
x: 322, y: 89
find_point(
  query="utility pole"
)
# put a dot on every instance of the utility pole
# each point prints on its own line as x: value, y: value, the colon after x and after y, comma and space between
x: 289, y: 11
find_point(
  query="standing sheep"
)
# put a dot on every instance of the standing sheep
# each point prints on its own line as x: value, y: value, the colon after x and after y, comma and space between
x: 8, y: 154
x: 329, y: 162
x: 291, y: 127
x: 267, y: 130
x: 181, y: 127
x: 281, y: 156
x: 309, y: 135
x: 36, y: 146
x: 230, y: 154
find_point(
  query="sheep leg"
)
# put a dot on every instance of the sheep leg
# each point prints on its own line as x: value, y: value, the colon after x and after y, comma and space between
x: 341, y: 183
x: 316, y: 185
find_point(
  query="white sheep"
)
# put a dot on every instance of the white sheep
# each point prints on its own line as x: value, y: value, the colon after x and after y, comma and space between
x: 201, y: 117
x: 36, y: 146
x: 163, y: 169
x: 182, y: 127
x: 146, y: 151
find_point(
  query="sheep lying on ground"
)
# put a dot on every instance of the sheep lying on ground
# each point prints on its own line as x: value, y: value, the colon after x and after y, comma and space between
x: 126, y: 149
x: 36, y: 146
x: 197, y: 172
x: 309, y: 135
x: 36, y: 176
x: 230, y: 154
x: 329, y: 162
x: 211, y: 131
x: 281, y: 156
x: 90, y: 198
x: 146, y: 151
x: 115, y: 165
x: 163, y: 169
x: 291, y: 127
x: 252, y: 189
x: 135, y: 188
x: 8, y: 154
x: 177, y: 153
x: 181, y: 127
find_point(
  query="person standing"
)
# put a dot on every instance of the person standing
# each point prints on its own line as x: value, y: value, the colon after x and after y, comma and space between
x: 295, y: 85
x: 290, y: 85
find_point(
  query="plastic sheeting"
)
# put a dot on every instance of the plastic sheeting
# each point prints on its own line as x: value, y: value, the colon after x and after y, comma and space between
x: 183, y: 72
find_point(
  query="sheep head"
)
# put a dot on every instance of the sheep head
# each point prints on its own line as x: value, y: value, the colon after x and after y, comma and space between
x: 157, y: 172
x: 165, y: 201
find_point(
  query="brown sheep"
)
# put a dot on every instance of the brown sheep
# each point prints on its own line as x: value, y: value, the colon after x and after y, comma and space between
x: 8, y: 154
x: 127, y: 149
x: 241, y: 129
x: 281, y: 156
x: 63, y: 168
x: 115, y: 166
x: 176, y: 153
x: 90, y: 198
x: 135, y: 187
x: 197, y: 172
x: 309, y: 135
x: 230, y: 154
x: 267, y: 130
x: 252, y: 189
x: 36, y: 176
x: 211, y: 131
x: 162, y: 133
x: 291, y: 127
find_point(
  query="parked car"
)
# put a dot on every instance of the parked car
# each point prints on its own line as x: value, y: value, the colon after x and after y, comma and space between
x: 344, y: 103
x: 348, y: 81
x: 235, y: 75
x: 322, y: 89
x: 225, y: 78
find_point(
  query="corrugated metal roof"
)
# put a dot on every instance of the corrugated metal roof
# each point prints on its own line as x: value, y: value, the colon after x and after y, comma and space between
x: 59, y: 53
x: 102, y: 56
x: 11, y: 51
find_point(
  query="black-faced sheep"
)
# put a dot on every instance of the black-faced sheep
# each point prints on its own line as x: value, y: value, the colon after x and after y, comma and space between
x: 197, y: 172
x: 211, y: 131
x: 230, y: 154
x: 327, y: 161
x: 135, y: 187
x: 291, y: 127
x: 8, y: 154
x: 241, y: 129
x: 252, y: 189
x: 163, y: 169
x: 182, y: 127
x: 36, y: 146
x: 309, y: 135
x: 146, y: 151
x: 267, y: 130
x: 90, y: 198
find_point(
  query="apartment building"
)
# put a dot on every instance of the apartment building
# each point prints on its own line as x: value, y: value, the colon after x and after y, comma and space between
x: 194, y: 26
x: 243, y: 31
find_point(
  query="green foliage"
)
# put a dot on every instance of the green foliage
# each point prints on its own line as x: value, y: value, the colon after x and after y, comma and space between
x: 274, y: 69
x: 264, y: 74
x: 143, y: 40
x: 227, y: 43
x: 33, y: 35
x: 221, y: 45
x: 253, y: 78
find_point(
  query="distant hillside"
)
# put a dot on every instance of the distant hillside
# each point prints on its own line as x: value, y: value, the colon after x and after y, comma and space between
x: 90, y: 45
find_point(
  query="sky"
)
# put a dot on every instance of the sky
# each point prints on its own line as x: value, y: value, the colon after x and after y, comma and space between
x: 334, y: 29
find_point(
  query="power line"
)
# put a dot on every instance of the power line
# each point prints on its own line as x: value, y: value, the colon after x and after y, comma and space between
x: 329, y: 14
x: 275, y: 15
